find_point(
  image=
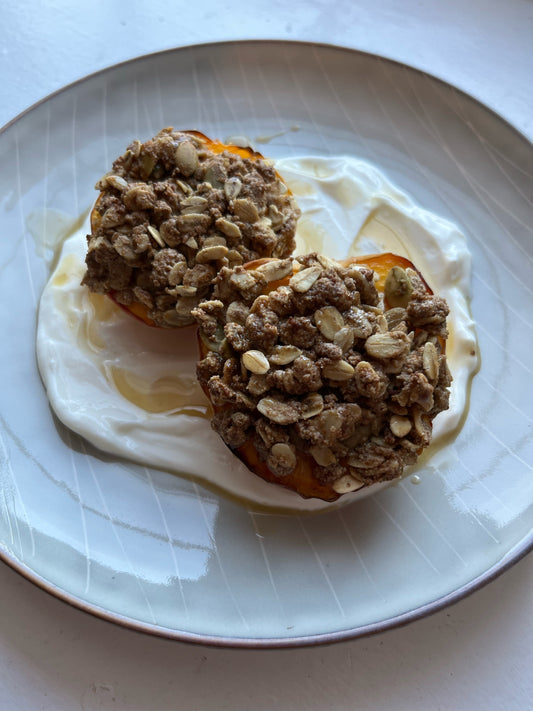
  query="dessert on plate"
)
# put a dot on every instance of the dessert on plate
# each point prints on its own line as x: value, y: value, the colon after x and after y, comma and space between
x: 172, y: 212
x: 325, y: 376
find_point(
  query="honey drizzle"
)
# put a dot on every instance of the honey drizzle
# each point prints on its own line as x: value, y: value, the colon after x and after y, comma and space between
x: 171, y: 394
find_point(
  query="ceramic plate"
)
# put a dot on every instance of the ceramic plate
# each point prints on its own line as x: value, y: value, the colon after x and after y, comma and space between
x: 162, y: 554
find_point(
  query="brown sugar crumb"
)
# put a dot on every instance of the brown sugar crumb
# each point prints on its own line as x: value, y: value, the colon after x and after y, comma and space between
x: 322, y: 370
x: 176, y: 209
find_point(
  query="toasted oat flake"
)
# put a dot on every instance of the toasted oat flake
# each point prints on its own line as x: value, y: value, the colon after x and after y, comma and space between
x: 385, y: 346
x: 242, y: 280
x: 398, y: 287
x: 256, y: 362
x: 183, y: 290
x: 283, y: 355
x: 344, y: 338
x: 341, y: 370
x: 186, y: 157
x: 279, y: 412
x: 210, y: 254
x: 430, y: 361
x: 284, y: 456
x: 232, y: 188
x: 155, y: 234
x: 303, y: 280
x: 115, y: 181
x: 245, y: 210
x: 347, y: 483
x: 312, y: 405
x: 323, y: 456
x: 400, y: 426
x: 275, y: 269
x: 229, y: 228
x: 329, y: 321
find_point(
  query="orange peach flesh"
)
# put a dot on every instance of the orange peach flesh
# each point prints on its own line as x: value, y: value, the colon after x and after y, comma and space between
x: 301, y: 479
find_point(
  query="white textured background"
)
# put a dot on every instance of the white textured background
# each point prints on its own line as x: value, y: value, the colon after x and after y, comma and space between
x: 475, y: 655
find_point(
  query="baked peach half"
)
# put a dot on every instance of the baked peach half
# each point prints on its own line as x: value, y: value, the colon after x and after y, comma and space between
x: 324, y: 376
x: 172, y: 212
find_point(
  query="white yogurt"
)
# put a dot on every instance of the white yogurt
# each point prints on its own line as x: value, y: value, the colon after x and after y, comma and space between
x: 131, y: 390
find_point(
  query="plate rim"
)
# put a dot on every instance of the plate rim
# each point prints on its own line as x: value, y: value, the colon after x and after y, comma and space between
x: 510, y: 558
x: 264, y: 41
x: 517, y: 553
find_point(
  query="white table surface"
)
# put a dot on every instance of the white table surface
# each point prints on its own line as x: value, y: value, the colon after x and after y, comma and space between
x: 474, y: 655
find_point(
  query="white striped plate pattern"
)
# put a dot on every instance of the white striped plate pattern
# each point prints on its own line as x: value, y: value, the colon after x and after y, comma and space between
x: 163, y: 554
